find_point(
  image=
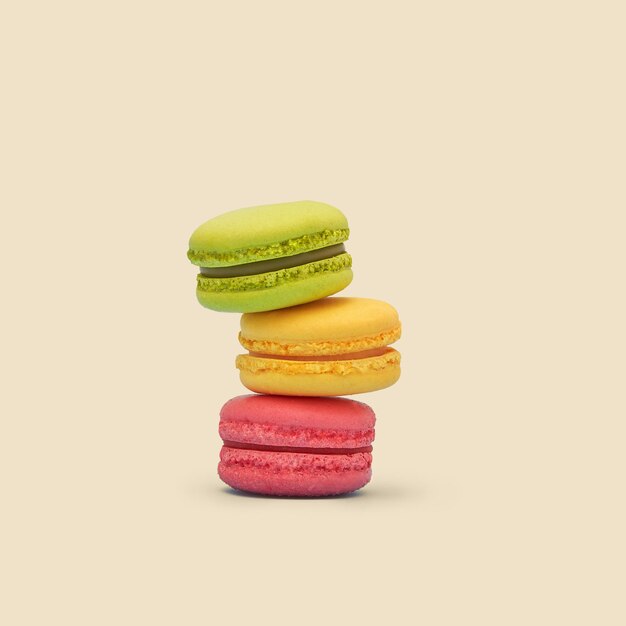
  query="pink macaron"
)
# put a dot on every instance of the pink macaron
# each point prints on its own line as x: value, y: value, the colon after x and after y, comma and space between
x: 296, y: 446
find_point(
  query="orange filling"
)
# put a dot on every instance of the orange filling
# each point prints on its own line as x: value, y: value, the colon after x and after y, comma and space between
x: 364, y: 354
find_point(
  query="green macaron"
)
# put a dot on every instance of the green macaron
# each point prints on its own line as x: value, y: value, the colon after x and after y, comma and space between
x: 270, y: 257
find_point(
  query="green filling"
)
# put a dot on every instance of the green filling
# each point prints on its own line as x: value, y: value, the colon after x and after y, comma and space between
x: 313, y: 241
x: 273, y: 279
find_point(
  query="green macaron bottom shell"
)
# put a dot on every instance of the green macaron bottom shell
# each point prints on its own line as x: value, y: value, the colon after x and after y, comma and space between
x: 276, y: 290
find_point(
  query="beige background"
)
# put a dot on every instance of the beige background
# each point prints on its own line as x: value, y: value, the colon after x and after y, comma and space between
x: 478, y: 150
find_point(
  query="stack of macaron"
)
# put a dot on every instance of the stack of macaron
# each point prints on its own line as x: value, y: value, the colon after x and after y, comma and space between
x: 277, y: 264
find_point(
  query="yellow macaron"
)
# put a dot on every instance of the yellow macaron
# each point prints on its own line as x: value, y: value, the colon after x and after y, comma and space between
x: 331, y: 347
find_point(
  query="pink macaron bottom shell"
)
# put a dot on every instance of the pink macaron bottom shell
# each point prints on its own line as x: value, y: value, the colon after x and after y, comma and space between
x: 279, y: 473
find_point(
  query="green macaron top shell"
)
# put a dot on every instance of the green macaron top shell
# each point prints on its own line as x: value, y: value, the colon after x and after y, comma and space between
x: 266, y: 232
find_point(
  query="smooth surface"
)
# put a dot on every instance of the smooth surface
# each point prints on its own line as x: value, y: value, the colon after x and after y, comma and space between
x: 477, y: 149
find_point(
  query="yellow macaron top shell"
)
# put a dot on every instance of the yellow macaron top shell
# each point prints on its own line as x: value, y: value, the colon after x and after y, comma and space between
x: 324, y: 327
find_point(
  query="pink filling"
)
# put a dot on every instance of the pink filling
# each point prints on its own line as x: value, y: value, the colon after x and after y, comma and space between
x: 302, y: 450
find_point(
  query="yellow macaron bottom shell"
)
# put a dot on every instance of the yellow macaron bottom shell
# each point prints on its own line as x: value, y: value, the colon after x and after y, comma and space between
x: 300, y: 290
x: 319, y: 378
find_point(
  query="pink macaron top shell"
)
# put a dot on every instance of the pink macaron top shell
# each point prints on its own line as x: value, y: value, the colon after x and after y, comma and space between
x: 299, y: 422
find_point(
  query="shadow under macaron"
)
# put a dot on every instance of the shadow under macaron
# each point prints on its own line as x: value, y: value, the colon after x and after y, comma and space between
x: 249, y: 494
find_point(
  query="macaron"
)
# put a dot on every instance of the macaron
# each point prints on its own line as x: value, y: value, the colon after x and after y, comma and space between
x: 331, y: 347
x: 269, y: 257
x: 286, y: 446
